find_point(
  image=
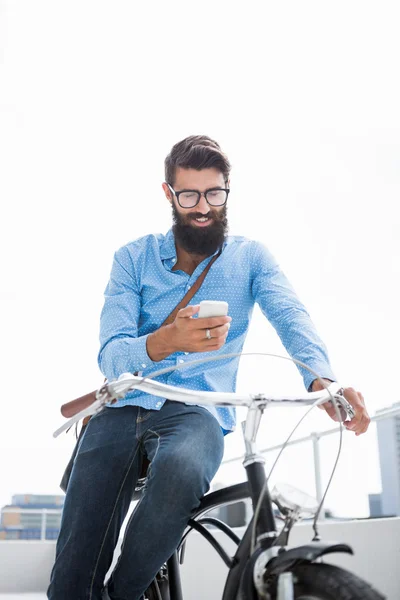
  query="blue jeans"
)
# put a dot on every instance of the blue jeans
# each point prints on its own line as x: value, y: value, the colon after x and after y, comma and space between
x: 185, y: 446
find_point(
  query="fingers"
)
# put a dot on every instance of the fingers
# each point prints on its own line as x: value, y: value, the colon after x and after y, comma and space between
x: 217, y: 339
x: 330, y: 409
x: 214, y: 343
x: 360, y: 422
x: 203, y: 323
x: 332, y: 412
x: 210, y: 322
x: 218, y: 332
x: 188, y: 311
x: 190, y: 334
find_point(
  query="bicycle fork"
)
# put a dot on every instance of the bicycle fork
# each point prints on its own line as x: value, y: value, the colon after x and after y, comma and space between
x: 269, y: 561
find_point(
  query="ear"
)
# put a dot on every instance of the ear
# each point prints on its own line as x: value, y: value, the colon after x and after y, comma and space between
x: 167, y: 192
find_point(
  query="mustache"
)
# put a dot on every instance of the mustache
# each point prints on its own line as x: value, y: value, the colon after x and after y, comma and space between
x: 217, y: 218
x: 200, y: 216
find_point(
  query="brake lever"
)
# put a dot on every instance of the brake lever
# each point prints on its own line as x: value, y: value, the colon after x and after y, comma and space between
x: 344, y: 406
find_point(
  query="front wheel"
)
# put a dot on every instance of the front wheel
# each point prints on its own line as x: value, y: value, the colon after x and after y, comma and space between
x: 320, y: 581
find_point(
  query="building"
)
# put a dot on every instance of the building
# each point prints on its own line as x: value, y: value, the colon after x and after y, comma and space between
x: 375, y: 505
x: 388, y: 430
x: 31, y: 517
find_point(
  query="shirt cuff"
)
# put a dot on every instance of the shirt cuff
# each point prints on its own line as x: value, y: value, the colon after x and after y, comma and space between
x: 138, y: 354
x: 322, y: 369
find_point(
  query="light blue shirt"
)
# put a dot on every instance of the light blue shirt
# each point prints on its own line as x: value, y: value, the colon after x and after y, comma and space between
x: 143, y: 291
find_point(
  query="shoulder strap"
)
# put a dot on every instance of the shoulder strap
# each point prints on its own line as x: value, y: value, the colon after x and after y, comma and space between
x: 195, y: 288
x: 74, y: 406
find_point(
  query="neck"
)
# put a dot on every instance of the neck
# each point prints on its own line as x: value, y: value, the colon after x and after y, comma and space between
x: 187, y: 262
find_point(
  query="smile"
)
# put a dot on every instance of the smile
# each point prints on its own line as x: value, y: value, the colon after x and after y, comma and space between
x: 201, y: 222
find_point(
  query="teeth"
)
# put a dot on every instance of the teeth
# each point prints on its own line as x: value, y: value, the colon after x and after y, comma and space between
x: 203, y: 219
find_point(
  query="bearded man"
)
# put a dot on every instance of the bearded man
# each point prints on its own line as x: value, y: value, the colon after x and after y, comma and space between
x: 183, y: 443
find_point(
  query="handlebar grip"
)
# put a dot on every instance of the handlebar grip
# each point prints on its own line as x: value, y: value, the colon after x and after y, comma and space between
x: 72, y: 408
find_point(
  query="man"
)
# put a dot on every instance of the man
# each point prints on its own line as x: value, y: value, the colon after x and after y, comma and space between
x: 184, y: 444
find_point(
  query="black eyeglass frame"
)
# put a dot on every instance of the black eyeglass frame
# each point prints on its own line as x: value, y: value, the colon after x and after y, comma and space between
x: 199, y: 195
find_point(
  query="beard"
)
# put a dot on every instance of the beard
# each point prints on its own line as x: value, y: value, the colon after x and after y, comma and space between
x: 202, y: 241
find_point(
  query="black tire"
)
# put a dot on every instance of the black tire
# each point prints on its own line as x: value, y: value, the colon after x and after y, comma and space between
x: 320, y: 581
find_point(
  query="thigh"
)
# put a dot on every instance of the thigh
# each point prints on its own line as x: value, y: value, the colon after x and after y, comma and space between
x: 184, y: 444
x: 105, y: 472
x: 98, y: 496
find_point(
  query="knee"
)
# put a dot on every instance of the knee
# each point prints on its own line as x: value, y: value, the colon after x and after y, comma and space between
x: 192, y: 460
x: 202, y: 444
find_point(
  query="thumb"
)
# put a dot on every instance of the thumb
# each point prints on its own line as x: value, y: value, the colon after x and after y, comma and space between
x: 188, y: 311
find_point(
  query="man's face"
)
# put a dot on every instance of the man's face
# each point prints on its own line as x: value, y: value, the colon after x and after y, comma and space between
x: 202, y: 229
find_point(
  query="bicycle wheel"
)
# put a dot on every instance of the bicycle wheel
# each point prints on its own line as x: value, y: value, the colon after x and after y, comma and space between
x: 320, y: 581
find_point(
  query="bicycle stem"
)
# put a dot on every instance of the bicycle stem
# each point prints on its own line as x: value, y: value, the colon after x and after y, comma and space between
x: 250, y: 429
x: 254, y: 465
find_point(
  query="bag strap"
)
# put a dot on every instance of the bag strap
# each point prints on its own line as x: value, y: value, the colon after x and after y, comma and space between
x: 189, y: 295
x: 69, y: 409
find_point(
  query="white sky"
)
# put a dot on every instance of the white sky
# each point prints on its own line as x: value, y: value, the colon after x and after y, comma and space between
x: 303, y: 97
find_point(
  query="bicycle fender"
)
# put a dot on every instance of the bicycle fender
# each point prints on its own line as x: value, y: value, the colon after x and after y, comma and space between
x: 307, y: 553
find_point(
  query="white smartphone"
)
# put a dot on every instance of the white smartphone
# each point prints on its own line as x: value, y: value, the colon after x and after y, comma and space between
x: 213, y: 308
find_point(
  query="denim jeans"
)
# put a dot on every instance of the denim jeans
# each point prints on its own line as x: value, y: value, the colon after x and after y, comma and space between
x: 185, y: 447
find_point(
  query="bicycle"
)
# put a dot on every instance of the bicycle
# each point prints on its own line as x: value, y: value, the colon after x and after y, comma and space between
x: 263, y: 567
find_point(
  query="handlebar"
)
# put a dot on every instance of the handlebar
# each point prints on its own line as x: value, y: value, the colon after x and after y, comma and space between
x: 114, y: 390
x: 127, y: 382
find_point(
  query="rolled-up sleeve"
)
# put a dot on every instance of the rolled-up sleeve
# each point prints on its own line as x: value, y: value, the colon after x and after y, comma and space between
x: 121, y: 350
x: 280, y: 304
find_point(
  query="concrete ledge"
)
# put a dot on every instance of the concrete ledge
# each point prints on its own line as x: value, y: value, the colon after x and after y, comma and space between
x: 23, y: 596
x: 26, y: 565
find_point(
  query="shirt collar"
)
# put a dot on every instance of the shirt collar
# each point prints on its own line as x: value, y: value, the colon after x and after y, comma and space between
x: 167, y: 248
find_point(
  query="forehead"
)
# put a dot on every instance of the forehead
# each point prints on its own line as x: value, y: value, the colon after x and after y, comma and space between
x: 198, y: 180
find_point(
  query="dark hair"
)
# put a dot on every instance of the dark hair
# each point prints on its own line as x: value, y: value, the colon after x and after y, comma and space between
x: 196, y: 152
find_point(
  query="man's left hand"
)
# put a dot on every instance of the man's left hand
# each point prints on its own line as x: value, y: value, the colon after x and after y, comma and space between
x: 360, y: 422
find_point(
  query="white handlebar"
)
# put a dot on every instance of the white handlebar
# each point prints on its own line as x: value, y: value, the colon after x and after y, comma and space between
x: 128, y: 382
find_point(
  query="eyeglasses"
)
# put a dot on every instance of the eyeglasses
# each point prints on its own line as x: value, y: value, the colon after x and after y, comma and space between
x: 190, y: 198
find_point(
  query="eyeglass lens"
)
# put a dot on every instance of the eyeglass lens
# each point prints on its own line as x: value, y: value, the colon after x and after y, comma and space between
x: 214, y: 198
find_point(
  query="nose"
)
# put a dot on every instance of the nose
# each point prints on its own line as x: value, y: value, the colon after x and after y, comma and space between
x: 203, y: 206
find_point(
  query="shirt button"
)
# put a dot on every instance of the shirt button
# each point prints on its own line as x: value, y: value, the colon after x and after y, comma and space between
x: 158, y: 403
x: 189, y: 286
x: 180, y: 360
x: 143, y: 365
x: 186, y: 353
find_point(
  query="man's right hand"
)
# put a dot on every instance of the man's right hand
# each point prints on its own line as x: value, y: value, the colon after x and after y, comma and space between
x: 187, y: 334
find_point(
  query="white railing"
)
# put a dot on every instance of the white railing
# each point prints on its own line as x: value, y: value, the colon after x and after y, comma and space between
x: 314, y: 437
